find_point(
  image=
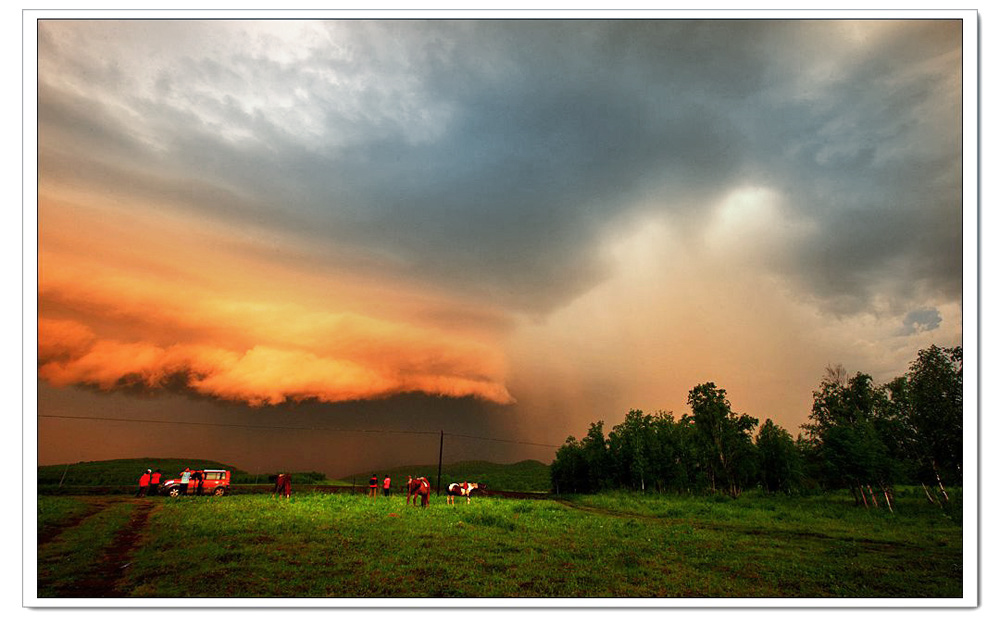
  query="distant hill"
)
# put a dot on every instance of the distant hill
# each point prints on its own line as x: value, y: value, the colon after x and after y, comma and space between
x: 521, y: 476
x: 127, y: 472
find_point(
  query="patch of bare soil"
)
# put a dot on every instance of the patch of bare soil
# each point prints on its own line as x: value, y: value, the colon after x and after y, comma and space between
x: 102, y: 580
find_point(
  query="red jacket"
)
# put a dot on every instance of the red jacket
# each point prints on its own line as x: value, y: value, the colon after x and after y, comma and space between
x: 144, y: 480
x: 155, y: 478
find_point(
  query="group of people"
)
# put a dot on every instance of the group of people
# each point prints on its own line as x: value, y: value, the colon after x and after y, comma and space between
x: 373, y: 486
x: 149, y: 483
x: 195, y: 479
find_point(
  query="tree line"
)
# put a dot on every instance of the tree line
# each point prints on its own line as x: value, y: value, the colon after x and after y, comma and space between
x: 859, y: 436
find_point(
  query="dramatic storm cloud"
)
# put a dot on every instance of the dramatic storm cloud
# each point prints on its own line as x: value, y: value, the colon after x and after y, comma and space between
x: 560, y: 219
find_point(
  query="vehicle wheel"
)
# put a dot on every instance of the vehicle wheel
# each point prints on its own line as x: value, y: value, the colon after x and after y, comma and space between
x: 219, y: 491
x: 174, y: 492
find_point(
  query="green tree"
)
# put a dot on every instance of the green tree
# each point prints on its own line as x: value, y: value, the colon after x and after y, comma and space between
x: 843, y: 430
x: 582, y: 466
x: 934, y: 412
x: 567, y: 467
x: 595, y: 453
x: 631, y: 445
x: 723, y: 440
x: 780, y: 462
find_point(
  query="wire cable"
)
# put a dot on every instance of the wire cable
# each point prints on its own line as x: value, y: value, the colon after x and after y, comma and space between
x: 274, y: 427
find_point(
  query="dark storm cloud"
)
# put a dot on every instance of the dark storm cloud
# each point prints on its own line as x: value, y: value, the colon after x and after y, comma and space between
x: 492, y: 156
x: 921, y: 320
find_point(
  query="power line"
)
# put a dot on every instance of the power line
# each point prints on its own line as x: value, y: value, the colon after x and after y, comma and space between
x: 526, y: 443
x: 277, y: 427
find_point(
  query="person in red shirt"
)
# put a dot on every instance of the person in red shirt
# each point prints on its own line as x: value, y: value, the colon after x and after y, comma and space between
x: 282, y: 486
x: 385, y: 486
x: 373, y: 486
x: 154, y: 482
x: 143, y: 484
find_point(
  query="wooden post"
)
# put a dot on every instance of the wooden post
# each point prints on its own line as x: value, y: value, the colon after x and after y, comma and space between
x: 440, y: 456
x: 940, y: 484
x: 888, y: 503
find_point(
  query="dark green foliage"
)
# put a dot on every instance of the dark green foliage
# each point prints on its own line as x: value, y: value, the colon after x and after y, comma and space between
x: 934, y: 412
x: 650, y: 452
x: 780, y: 461
x: 723, y: 441
x: 844, y: 431
x: 908, y: 429
x: 118, y: 471
x: 569, y: 471
x: 860, y: 436
x: 712, y: 450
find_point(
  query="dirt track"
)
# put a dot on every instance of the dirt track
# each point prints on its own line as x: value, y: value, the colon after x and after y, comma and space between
x: 101, y: 578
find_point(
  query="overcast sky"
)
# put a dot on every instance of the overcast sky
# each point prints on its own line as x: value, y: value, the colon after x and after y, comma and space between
x: 502, y: 228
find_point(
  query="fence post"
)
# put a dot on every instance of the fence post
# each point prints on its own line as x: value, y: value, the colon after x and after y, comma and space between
x: 440, y: 455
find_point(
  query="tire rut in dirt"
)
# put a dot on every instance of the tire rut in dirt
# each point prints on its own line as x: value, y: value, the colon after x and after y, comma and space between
x: 102, y: 580
x: 49, y: 534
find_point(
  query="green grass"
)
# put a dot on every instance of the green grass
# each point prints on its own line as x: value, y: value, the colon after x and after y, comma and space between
x: 56, y: 512
x: 69, y: 558
x: 338, y: 545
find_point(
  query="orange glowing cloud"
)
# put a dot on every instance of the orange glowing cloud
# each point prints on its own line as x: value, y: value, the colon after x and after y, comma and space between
x: 150, y: 314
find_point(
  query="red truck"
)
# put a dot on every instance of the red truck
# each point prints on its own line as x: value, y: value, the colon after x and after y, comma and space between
x: 214, y: 482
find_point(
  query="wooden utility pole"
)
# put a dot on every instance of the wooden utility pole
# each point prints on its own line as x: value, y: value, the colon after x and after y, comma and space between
x: 440, y: 455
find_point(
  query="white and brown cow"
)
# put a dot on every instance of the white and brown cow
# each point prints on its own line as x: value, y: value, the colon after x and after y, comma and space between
x: 462, y: 489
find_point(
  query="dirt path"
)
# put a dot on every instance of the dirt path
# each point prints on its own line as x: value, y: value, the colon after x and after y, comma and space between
x: 51, y: 532
x: 102, y: 579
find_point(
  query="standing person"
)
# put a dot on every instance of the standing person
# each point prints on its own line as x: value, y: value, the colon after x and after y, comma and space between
x: 373, y: 485
x: 199, y: 478
x: 385, y: 486
x: 185, y: 479
x: 154, y: 482
x: 143, y: 484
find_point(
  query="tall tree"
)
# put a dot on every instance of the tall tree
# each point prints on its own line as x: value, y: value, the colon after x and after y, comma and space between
x: 934, y: 388
x: 842, y: 429
x: 780, y: 463
x: 631, y: 446
x: 723, y: 439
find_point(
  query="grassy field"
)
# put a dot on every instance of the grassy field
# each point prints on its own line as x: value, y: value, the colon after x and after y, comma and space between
x: 611, y: 545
